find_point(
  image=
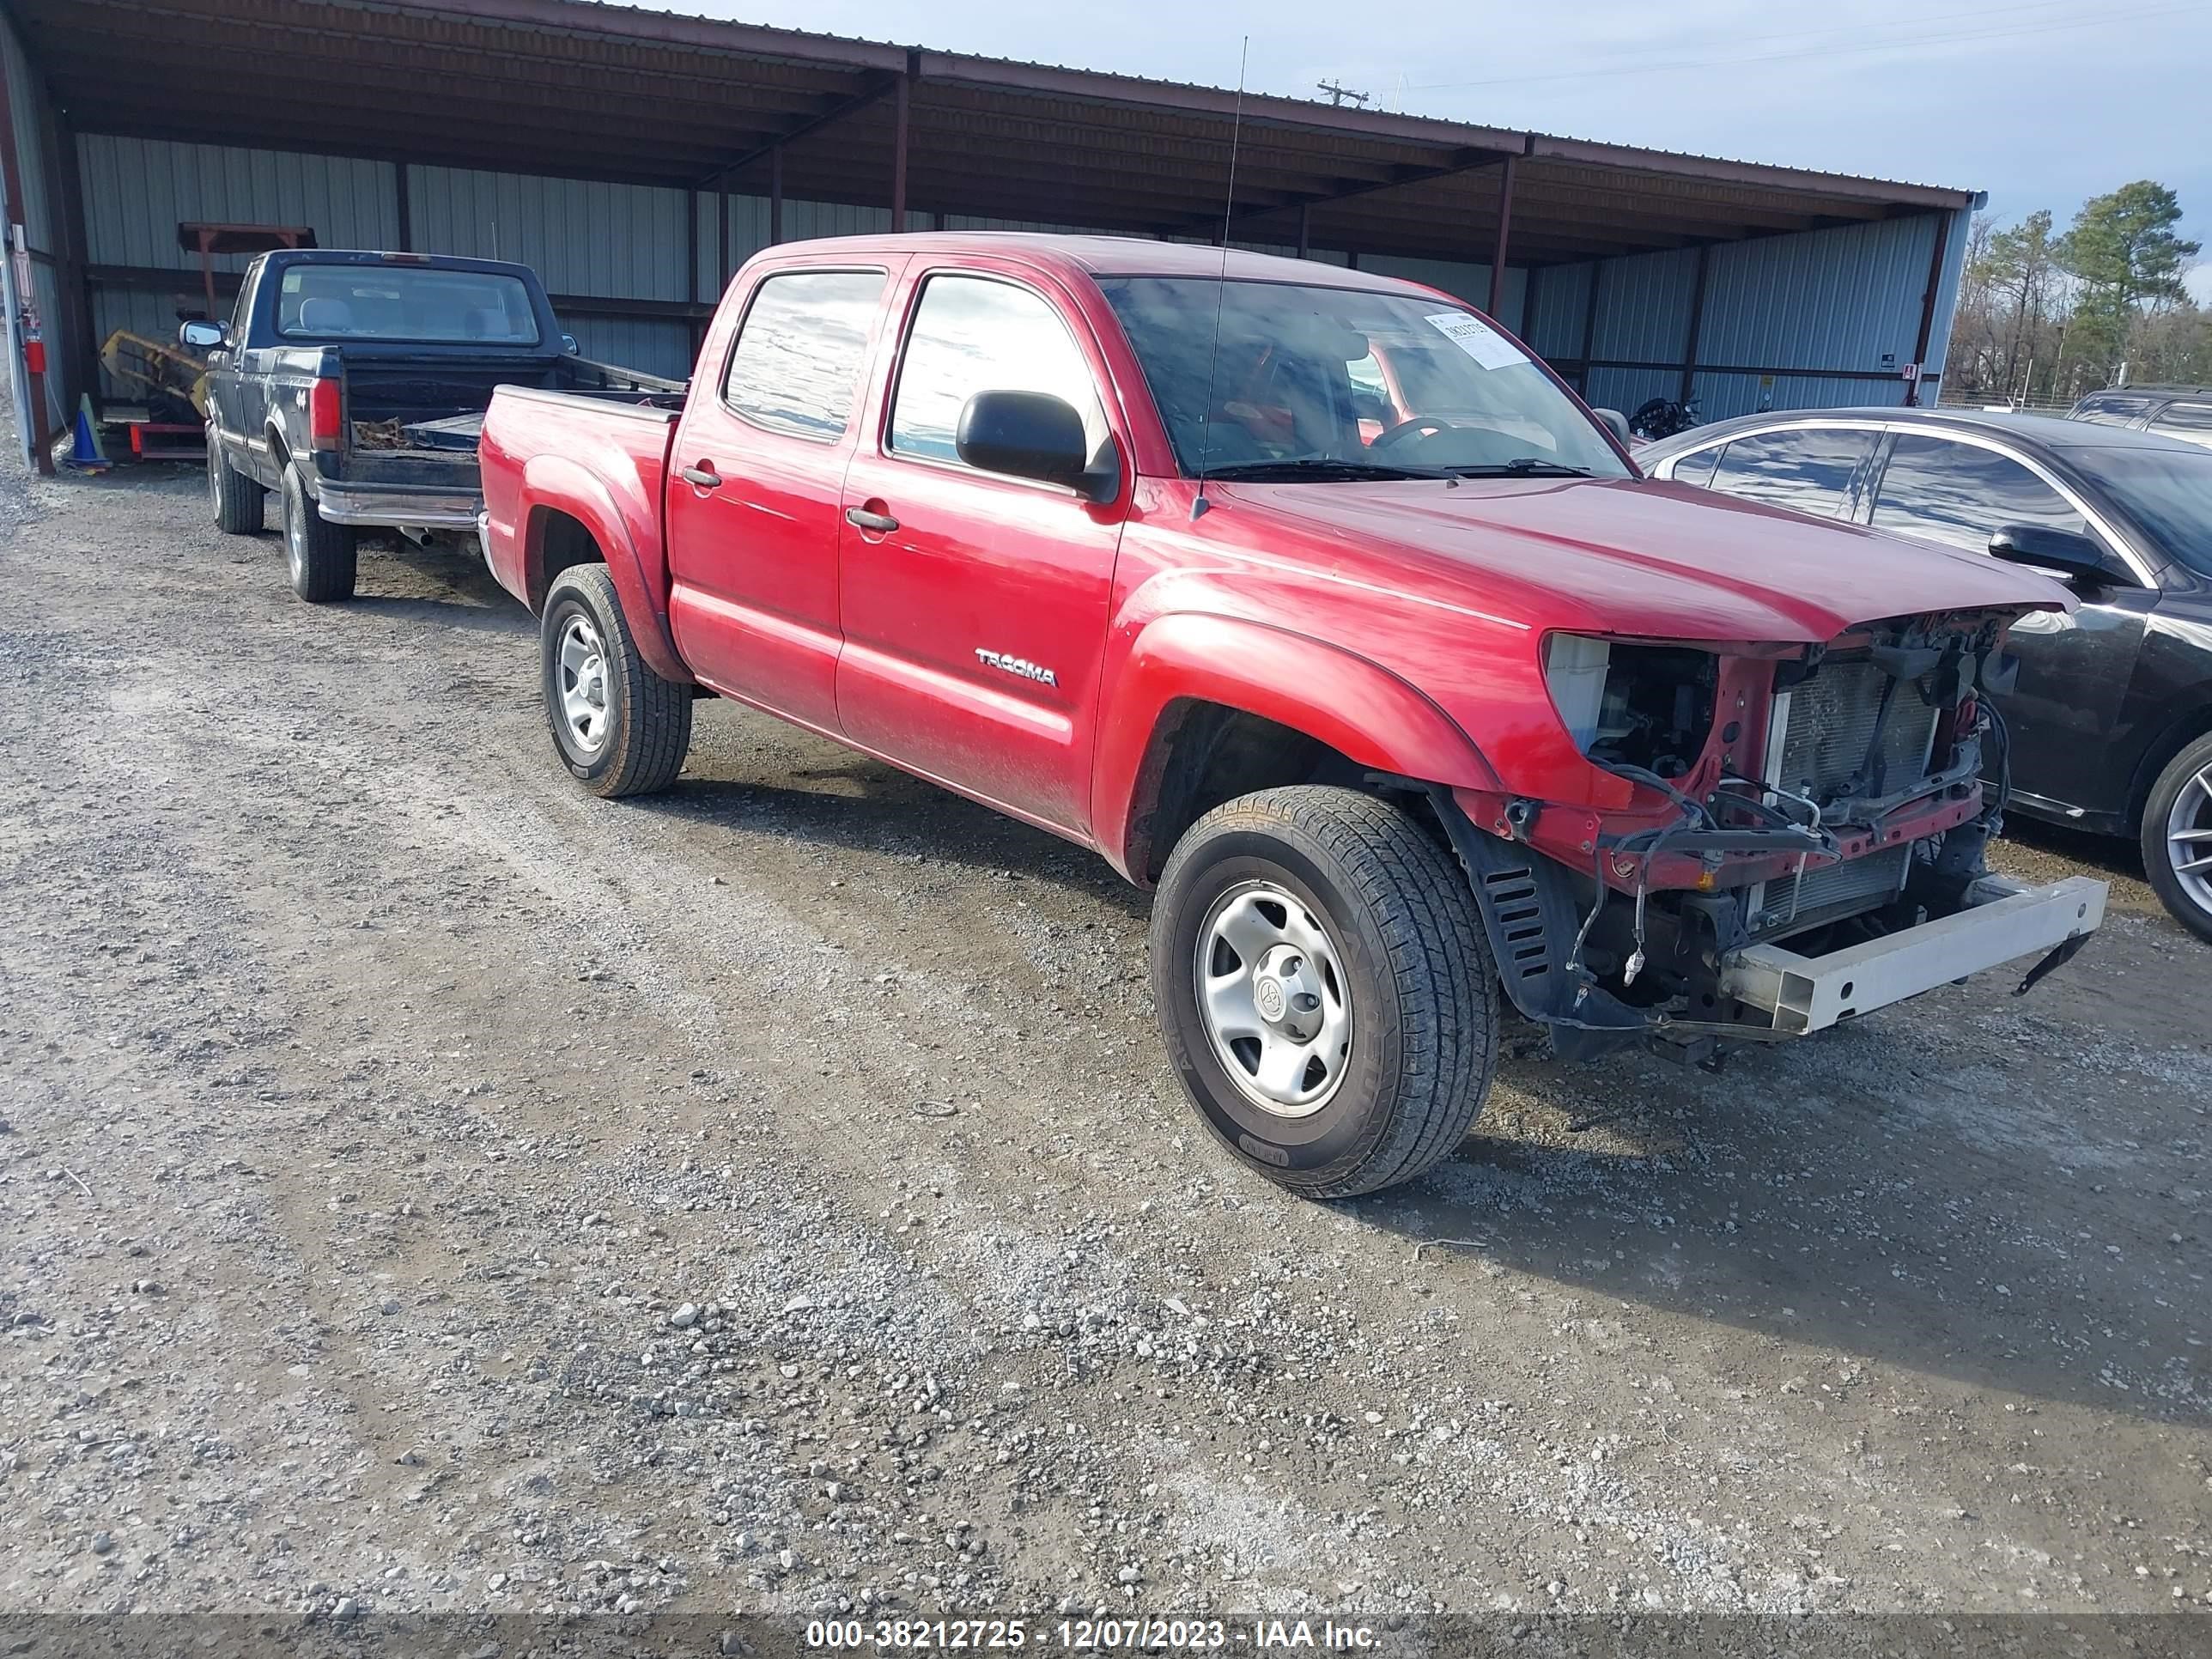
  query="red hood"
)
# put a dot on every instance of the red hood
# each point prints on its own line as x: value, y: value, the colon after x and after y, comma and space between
x: 1663, y: 560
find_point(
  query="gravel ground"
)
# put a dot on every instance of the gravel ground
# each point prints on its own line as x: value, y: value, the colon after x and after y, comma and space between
x: 424, y: 1187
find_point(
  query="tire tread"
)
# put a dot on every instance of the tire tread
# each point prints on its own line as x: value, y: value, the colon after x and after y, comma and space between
x: 654, y: 737
x: 1438, y: 960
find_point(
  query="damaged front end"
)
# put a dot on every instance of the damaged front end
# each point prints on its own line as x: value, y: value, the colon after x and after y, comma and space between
x: 1775, y: 839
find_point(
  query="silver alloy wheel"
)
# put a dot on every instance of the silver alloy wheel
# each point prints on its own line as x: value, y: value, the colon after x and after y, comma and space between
x: 1274, y: 999
x: 2189, y: 838
x: 583, y: 665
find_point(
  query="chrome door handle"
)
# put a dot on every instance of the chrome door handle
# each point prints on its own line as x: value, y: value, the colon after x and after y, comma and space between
x: 705, y: 476
x: 882, y: 523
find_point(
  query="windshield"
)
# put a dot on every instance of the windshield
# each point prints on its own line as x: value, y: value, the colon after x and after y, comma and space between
x: 1328, y: 384
x: 426, y: 306
x: 2166, y: 491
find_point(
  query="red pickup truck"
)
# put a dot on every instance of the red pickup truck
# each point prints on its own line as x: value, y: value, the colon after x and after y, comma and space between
x: 1312, y: 599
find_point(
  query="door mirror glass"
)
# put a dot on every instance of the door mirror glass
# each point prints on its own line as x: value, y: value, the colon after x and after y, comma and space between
x: 1024, y: 435
x: 1615, y: 422
x: 568, y: 344
x: 2069, y: 552
x: 201, y: 335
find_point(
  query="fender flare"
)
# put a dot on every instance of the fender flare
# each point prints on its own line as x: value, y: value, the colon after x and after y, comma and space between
x: 554, y: 483
x: 1356, y: 707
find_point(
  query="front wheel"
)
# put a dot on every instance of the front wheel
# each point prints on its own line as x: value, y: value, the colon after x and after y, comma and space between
x: 321, y: 554
x: 2177, y: 837
x: 1321, y: 980
x: 618, y: 727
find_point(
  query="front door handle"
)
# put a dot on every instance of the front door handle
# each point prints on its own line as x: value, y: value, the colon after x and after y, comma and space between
x: 704, y: 476
x: 882, y: 523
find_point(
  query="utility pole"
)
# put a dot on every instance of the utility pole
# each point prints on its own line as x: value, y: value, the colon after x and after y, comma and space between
x: 1340, y: 95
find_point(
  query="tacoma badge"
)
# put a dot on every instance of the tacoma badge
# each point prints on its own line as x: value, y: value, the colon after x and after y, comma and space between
x: 1026, y: 669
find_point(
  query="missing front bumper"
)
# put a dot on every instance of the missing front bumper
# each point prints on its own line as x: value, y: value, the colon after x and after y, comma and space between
x: 2000, y: 922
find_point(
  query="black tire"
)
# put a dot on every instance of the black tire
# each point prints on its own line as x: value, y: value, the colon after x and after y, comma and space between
x: 645, y: 731
x: 2185, y: 783
x: 238, y: 500
x: 321, y: 554
x: 1422, y: 1008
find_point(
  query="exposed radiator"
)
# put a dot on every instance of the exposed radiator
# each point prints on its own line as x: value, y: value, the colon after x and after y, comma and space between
x: 1827, y: 722
x: 1831, y: 893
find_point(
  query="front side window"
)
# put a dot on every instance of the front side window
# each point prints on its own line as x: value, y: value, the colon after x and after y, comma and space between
x: 1319, y: 384
x: 419, y: 304
x: 971, y: 334
x: 1962, y: 494
x: 796, y: 366
x: 1697, y: 466
x: 1808, y: 470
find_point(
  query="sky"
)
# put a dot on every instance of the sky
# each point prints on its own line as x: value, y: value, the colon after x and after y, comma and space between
x: 2042, y: 103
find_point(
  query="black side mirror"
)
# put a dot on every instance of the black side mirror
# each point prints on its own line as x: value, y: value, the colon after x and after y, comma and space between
x: 568, y: 345
x: 200, y: 335
x: 1025, y: 434
x: 2068, y: 553
x: 1615, y: 422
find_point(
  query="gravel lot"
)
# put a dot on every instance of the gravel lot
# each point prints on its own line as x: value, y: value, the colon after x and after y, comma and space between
x: 427, y: 1187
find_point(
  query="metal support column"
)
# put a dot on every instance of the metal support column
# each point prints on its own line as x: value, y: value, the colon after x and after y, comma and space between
x: 775, y: 196
x: 1305, y: 229
x: 1927, y: 307
x: 1505, y: 232
x: 1589, y: 325
x: 722, y: 201
x: 403, y: 210
x: 901, y: 98
x: 1696, y: 323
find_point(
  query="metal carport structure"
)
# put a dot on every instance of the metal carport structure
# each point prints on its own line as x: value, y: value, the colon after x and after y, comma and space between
x: 637, y: 156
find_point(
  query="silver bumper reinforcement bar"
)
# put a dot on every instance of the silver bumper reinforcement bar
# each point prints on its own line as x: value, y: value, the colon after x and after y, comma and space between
x: 2003, y: 921
x: 358, y: 504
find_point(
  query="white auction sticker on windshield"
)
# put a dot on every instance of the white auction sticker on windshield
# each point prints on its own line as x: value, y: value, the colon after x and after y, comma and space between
x: 1476, y: 339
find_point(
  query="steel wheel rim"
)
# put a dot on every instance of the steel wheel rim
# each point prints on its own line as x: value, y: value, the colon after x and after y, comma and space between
x: 1274, y: 999
x: 296, y: 528
x: 582, y: 672
x: 2189, y: 838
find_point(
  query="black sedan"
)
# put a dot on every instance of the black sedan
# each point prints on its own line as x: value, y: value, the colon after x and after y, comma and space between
x: 2111, y: 723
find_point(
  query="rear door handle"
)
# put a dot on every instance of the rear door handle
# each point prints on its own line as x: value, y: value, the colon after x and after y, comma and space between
x: 704, y: 476
x: 882, y: 523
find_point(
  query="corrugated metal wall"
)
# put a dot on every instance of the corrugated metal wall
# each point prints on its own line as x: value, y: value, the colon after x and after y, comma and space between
x: 1849, y: 298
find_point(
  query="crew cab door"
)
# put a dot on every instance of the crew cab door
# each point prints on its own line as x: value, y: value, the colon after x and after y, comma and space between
x: 753, y: 493
x: 2074, y: 670
x: 975, y: 604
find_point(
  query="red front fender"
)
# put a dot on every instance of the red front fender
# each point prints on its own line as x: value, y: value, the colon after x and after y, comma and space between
x: 1362, y: 711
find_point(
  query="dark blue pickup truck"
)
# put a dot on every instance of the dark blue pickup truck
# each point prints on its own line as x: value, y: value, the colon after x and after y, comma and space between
x: 352, y: 385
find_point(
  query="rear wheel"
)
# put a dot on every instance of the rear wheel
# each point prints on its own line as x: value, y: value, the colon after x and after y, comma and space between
x: 321, y: 554
x: 1323, y: 985
x: 2177, y: 837
x: 236, y: 498
x: 618, y: 727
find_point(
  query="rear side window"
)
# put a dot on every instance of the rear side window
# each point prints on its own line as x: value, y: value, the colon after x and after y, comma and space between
x: 971, y: 334
x: 2191, y: 421
x: 1807, y: 470
x: 2111, y: 411
x: 1960, y: 494
x: 1697, y: 466
x: 796, y: 364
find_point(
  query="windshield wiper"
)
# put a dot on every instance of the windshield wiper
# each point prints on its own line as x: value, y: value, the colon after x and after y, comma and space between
x: 1522, y: 466
x: 1312, y: 469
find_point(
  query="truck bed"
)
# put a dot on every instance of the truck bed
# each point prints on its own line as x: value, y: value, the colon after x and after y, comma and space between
x: 622, y: 440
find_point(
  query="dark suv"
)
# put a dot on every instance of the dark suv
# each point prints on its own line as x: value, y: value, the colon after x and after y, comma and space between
x: 2172, y: 411
x: 2110, y: 723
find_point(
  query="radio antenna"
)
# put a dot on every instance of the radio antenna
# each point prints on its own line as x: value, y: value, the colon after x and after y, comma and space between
x: 1199, y: 503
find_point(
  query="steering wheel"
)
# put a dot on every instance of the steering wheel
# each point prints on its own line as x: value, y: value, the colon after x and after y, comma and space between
x: 1425, y: 426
